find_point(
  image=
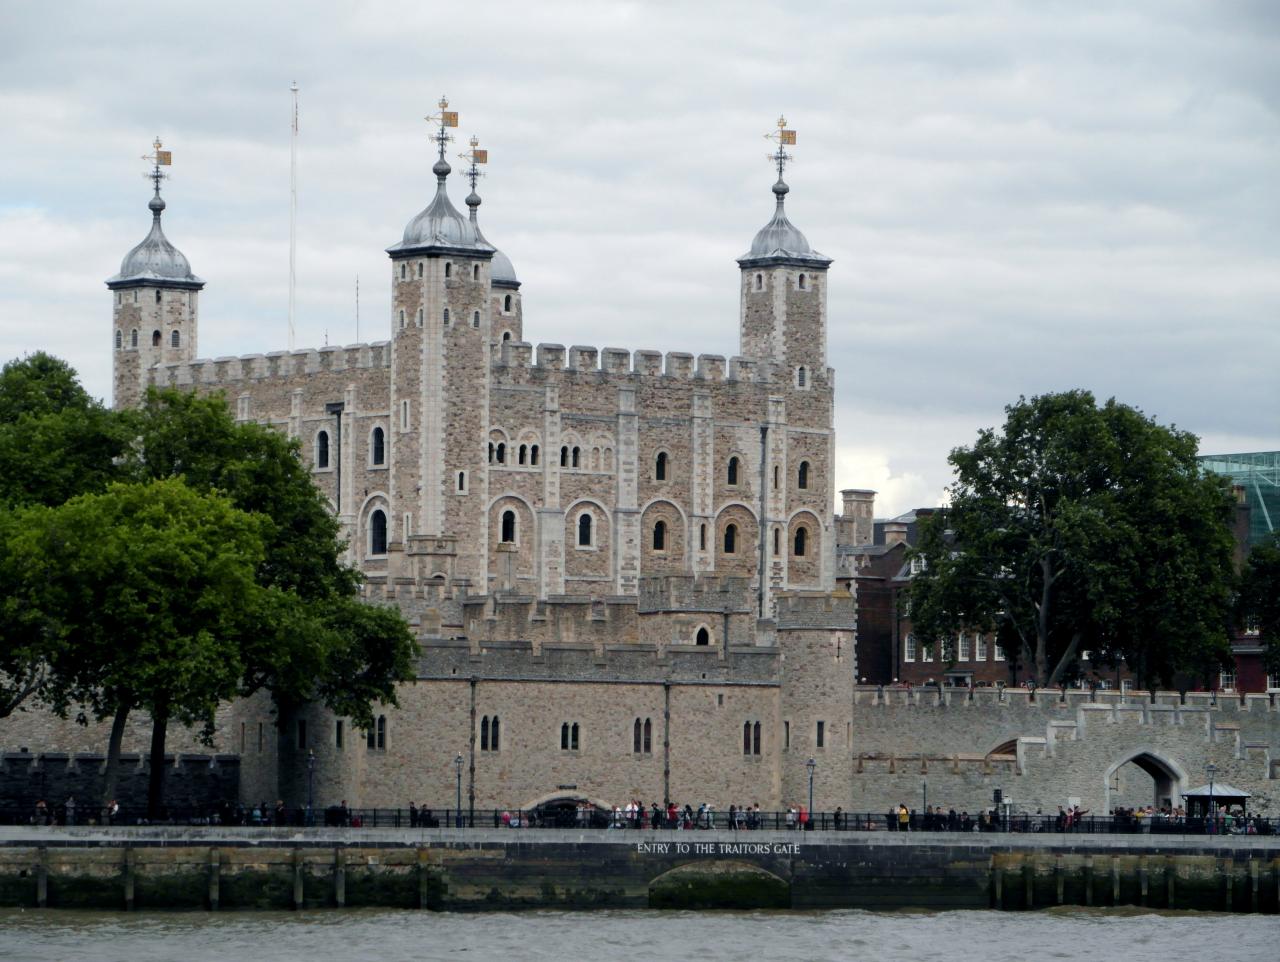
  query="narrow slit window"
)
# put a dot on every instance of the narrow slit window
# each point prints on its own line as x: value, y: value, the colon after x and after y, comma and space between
x: 802, y: 475
x: 730, y: 539
x: 378, y: 447
x: 584, y: 531
x: 660, y: 467
x: 660, y: 536
x: 322, y: 449
x: 508, y: 527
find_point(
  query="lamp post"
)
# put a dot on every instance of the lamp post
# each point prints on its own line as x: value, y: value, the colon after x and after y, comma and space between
x: 1210, y: 770
x: 924, y: 794
x: 311, y: 782
x: 810, y: 765
x: 457, y: 764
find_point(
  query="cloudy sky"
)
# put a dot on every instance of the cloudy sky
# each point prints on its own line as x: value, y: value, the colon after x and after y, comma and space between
x: 1019, y: 197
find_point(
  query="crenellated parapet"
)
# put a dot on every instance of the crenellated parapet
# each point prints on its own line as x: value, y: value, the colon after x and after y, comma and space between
x: 696, y: 593
x: 579, y: 359
x: 816, y: 610
x: 214, y: 373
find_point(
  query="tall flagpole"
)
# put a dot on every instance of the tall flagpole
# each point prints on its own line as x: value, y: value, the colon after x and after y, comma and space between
x: 293, y: 210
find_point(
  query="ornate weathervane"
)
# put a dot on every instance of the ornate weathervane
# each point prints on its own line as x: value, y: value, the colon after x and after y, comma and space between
x: 157, y: 158
x: 444, y: 120
x: 783, y: 138
x: 475, y: 156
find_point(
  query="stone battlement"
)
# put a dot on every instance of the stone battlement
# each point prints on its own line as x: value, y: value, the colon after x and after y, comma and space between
x: 699, y: 593
x: 613, y: 360
x: 223, y: 371
x: 1054, y: 699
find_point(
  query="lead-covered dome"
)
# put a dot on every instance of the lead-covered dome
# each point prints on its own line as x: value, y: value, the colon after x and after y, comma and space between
x: 780, y: 241
x: 440, y: 225
x: 156, y: 261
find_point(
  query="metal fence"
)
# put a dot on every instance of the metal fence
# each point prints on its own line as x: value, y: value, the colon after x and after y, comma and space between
x: 684, y: 820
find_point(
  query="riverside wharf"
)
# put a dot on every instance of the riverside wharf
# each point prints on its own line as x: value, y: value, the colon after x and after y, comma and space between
x: 482, y: 870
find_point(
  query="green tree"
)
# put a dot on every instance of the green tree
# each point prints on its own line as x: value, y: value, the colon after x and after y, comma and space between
x: 150, y: 592
x: 1081, y: 527
x: 55, y: 442
x: 1259, y: 604
x: 328, y: 645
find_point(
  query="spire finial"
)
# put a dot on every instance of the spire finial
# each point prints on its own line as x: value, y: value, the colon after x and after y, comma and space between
x: 475, y: 156
x: 784, y: 138
x: 445, y: 119
x: 157, y: 158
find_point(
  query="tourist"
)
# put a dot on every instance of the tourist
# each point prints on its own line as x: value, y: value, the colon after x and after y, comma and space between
x: 791, y: 818
x: 904, y: 818
x: 838, y: 818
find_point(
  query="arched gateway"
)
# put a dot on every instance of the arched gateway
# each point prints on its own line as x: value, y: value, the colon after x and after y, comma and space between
x: 1167, y: 776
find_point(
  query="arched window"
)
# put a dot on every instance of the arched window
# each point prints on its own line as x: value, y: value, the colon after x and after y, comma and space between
x: 322, y: 449
x: 802, y: 475
x: 502, y: 453
x: 648, y: 736
x: 702, y: 537
x: 119, y: 340
x: 420, y: 317
x: 573, y: 737
x: 462, y: 481
x: 730, y: 539
x: 755, y: 739
x: 484, y: 733
x: 522, y: 454
x: 637, y: 738
x: 508, y: 527
x: 801, y: 376
x: 475, y: 319
x: 703, y: 637
x: 157, y: 297
x: 506, y: 335
x: 777, y: 542
x: 155, y: 338
x: 660, y: 467
x: 378, y: 447
x: 801, y: 283
x: 402, y: 320
x: 564, y: 737
x: 489, y: 734
x: 759, y: 282
x: 493, y: 734
x: 584, y: 530
x: 777, y: 476
x: 577, y: 456
x: 746, y: 738
x: 475, y: 272
x: 446, y: 317
x: 175, y: 338
x: 506, y: 304
x: 564, y: 456
x: 448, y: 270
x: 802, y: 536
x: 378, y: 532
x: 402, y: 268
x: 491, y: 450
x: 419, y: 268
x: 382, y: 732
x: 732, y: 474
x: 533, y: 454
x: 660, y: 536
x: 133, y: 338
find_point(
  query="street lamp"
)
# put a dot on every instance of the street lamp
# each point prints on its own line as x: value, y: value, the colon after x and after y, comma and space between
x: 457, y: 764
x: 810, y: 765
x: 1210, y: 770
x: 311, y: 783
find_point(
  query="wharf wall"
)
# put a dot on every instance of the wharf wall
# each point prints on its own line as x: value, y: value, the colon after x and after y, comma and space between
x: 505, y: 870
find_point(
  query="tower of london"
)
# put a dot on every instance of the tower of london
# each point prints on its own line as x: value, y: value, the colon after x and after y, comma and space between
x: 625, y: 569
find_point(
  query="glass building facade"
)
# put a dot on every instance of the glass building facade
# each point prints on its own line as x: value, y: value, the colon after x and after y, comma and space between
x: 1259, y: 474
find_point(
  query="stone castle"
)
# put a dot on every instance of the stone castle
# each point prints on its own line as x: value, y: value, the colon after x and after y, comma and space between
x: 621, y: 566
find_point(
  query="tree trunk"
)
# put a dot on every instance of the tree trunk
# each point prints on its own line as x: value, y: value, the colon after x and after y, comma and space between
x: 112, y: 773
x: 155, y: 784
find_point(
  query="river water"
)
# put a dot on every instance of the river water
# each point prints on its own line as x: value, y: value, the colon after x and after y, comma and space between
x: 392, y: 936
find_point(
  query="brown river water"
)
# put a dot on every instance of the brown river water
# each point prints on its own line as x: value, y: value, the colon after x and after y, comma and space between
x: 392, y: 936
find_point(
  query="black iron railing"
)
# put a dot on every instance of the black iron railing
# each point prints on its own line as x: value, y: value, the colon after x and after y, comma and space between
x: 683, y: 820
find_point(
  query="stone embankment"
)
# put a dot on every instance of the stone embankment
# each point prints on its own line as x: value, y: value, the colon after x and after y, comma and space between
x: 223, y: 868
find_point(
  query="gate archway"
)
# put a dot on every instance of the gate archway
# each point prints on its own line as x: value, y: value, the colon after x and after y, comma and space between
x: 1168, y: 777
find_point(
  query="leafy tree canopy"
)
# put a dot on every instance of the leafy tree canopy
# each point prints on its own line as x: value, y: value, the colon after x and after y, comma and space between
x: 1259, y: 606
x: 1082, y: 527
